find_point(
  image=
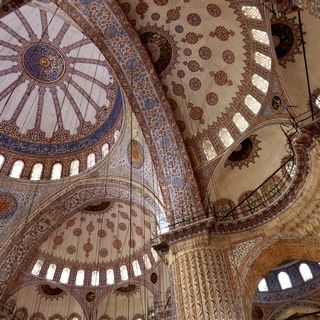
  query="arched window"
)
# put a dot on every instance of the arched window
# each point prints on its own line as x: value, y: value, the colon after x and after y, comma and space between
x: 36, y: 171
x: 318, y: 101
x: 116, y: 136
x: 105, y: 149
x: 226, y: 137
x: 208, y: 150
x: 263, y: 60
x: 74, y: 167
x: 65, y: 275
x: 124, y: 273
x: 260, y: 36
x: 16, y: 169
x: 155, y: 255
x: 56, y: 171
x: 37, y: 267
x: 136, y: 268
x: 2, y: 158
x: 305, y: 272
x: 251, y: 12
x: 110, y: 276
x: 241, y: 123
x: 146, y: 261
x: 91, y: 160
x: 51, y: 271
x: 263, y: 287
x: 80, y: 278
x: 284, y: 280
x: 95, y: 278
x: 260, y: 83
x: 253, y: 104
x: 291, y: 168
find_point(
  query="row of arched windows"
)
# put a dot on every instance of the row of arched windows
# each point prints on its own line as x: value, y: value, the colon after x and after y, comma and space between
x: 260, y: 83
x: 284, y: 278
x: 56, y: 171
x: 95, y: 275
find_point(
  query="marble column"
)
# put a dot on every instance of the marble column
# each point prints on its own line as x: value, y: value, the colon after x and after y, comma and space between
x: 202, y: 288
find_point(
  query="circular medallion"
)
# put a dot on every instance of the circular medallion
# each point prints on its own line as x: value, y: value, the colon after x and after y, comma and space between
x: 135, y: 154
x: 194, y: 19
x: 43, y: 62
x: 195, y: 84
x: 90, y: 296
x: 228, y: 56
x: 276, y: 102
x: 154, y: 278
x: 8, y: 205
x: 214, y: 10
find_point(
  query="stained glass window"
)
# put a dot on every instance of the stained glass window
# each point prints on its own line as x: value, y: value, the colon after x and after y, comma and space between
x: 251, y: 12
x: 74, y: 167
x: 226, y: 137
x: 241, y: 123
x: 1, y: 160
x: 80, y: 278
x: 260, y: 83
x: 65, y: 275
x: 16, y: 169
x: 91, y: 160
x: 260, y: 36
x: 105, y: 149
x: 110, y: 276
x: 262, y: 60
x: 56, y: 171
x: 284, y: 280
x: 263, y: 287
x: 37, y: 267
x: 208, y: 150
x: 305, y: 272
x: 124, y: 273
x: 146, y: 261
x: 136, y: 268
x: 36, y: 171
x: 51, y: 271
x: 95, y: 278
x: 253, y: 104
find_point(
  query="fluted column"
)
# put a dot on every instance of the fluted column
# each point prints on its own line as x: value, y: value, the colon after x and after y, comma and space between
x: 201, y: 285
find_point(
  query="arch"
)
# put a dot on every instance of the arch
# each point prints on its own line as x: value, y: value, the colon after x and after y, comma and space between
x: 69, y: 290
x: 43, y: 220
x: 286, y: 310
x: 166, y: 157
x: 268, y: 255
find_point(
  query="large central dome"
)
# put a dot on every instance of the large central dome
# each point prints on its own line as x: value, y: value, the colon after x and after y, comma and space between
x: 58, y: 94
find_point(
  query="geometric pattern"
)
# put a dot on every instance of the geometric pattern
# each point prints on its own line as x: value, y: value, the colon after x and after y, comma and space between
x: 239, y: 252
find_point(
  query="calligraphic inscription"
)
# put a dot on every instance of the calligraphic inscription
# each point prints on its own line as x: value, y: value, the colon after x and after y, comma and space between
x: 43, y: 62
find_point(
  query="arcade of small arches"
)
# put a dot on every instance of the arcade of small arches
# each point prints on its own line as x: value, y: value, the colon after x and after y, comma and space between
x: 111, y: 275
x: 16, y: 170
